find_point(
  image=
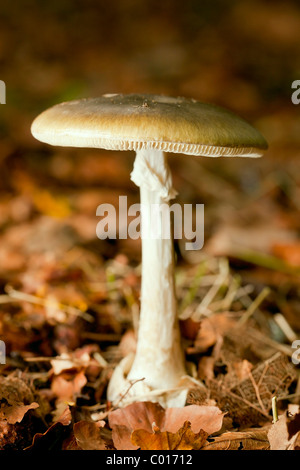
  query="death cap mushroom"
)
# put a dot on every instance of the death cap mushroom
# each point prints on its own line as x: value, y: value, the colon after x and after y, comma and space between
x: 151, y: 125
x: 135, y: 121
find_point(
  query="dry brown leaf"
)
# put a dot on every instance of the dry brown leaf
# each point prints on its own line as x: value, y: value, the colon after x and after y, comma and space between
x: 54, y: 435
x: 206, y: 336
x: 70, y: 443
x: 80, y: 359
x: 242, y: 369
x: 183, y: 439
x: 249, y: 401
x: 255, y: 439
x: 296, y: 445
x: 142, y: 415
x: 285, y: 433
x: 208, y: 418
x: 89, y: 437
x: 16, y: 398
x: 64, y: 362
x: 15, y: 390
x: 14, y: 414
x: 59, y: 410
x: 66, y: 417
x: 67, y: 386
x: 206, y: 368
x: 190, y: 328
x: 49, y: 439
x: 199, y: 396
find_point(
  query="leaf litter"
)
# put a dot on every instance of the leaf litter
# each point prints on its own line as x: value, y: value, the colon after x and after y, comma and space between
x: 69, y: 303
x: 240, y: 363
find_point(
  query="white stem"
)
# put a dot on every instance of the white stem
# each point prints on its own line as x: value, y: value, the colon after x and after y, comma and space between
x: 159, y: 357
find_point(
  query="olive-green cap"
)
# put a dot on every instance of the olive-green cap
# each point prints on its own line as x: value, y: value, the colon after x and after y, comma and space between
x: 136, y: 121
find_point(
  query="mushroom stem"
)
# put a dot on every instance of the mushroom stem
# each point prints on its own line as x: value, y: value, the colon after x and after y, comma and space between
x: 159, y: 357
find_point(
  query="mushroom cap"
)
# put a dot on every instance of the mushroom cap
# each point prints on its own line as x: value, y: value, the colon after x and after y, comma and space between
x: 136, y: 121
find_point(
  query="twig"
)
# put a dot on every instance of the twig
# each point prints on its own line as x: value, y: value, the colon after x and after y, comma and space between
x: 274, y: 410
x: 207, y: 299
x: 263, y: 375
x: 231, y: 294
x: 255, y: 304
x: 97, y: 406
x: 285, y: 327
x: 257, y: 391
x: 283, y: 348
x: 287, y: 397
x: 132, y: 383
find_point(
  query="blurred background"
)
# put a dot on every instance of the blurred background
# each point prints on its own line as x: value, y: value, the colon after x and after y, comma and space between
x: 240, y: 55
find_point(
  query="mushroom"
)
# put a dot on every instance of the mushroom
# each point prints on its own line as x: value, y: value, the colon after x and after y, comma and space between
x: 151, y: 125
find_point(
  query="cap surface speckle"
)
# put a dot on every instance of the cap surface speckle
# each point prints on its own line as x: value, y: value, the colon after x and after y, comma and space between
x: 135, y: 121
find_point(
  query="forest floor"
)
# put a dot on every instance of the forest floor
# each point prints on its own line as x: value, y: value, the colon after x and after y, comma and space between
x: 69, y: 302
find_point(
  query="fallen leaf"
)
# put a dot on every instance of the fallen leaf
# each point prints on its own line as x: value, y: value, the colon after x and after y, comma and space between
x: 206, y: 336
x: 183, y: 439
x: 54, y: 436
x: 249, y: 401
x: 14, y: 414
x: 206, y: 368
x: 67, y: 361
x: 70, y: 443
x: 285, y: 433
x: 68, y: 386
x: 139, y: 415
x: 255, y: 439
x: 209, y: 418
x: 142, y: 415
x: 89, y: 436
x: 189, y: 328
x: 15, y: 390
x: 16, y: 399
x: 66, y: 417
x: 293, y: 424
x: 49, y: 440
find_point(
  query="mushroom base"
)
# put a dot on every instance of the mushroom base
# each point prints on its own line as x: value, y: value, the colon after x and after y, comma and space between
x: 122, y: 391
